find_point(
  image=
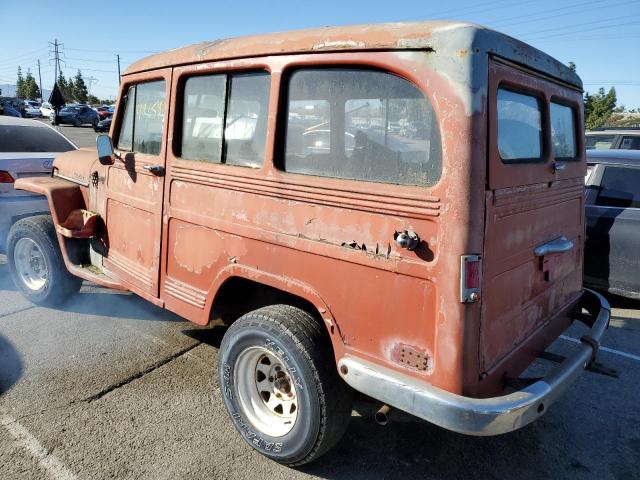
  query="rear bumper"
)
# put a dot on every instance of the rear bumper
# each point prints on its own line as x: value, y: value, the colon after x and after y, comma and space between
x: 480, y: 416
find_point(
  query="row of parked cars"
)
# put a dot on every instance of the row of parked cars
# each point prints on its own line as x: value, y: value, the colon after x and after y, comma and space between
x: 99, y: 117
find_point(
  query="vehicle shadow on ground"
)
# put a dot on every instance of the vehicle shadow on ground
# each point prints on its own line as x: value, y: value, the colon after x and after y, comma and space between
x: 6, y: 283
x: 10, y: 365
x: 211, y: 336
x: 109, y: 303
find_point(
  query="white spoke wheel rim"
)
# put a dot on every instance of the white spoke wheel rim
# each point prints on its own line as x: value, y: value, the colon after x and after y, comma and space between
x: 266, y: 391
x: 30, y: 264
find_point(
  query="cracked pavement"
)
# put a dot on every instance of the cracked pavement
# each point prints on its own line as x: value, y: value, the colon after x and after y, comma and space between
x: 109, y: 386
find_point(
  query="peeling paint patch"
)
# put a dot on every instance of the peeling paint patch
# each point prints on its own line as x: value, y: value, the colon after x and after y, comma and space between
x: 338, y: 44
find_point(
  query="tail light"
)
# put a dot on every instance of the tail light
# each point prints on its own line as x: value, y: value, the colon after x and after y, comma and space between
x: 5, y: 177
x: 470, y: 278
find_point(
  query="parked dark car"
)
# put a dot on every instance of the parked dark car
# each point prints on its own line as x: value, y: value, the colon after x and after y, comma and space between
x: 6, y: 108
x: 77, y: 115
x: 104, y: 125
x: 612, y: 253
x: 622, y: 138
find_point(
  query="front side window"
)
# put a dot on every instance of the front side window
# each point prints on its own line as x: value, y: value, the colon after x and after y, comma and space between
x: 620, y: 187
x: 141, y: 127
x: 519, y: 127
x: 224, y: 118
x: 630, y: 142
x: 563, y: 131
x: 362, y: 125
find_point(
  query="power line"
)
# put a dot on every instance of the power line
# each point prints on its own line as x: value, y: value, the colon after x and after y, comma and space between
x: 112, y: 51
x: 594, y: 22
x: 562, y: 34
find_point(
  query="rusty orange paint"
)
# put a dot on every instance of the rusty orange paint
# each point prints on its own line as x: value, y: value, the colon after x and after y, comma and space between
x: 176, y: 240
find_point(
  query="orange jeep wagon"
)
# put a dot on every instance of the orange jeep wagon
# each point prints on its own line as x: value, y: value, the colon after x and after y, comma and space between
x: 391, y: 209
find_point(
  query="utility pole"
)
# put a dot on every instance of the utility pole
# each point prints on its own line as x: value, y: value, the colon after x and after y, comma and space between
x: 40, y: 78
x: 56, y: 57
x: 118, y: 57
x: 90, y: 80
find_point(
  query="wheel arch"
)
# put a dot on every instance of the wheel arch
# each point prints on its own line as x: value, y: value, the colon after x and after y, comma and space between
x: 262, y: 289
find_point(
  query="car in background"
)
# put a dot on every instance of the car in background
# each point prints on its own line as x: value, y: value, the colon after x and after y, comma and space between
x: 623, y: 138
x: 104, y: 111
x: 32, y: 109
x: 77, y: 115
x: 27, y: 149
x: 103, y: 125
x: 7, y: 109
x: 612, y: 253
x: 46, y: 110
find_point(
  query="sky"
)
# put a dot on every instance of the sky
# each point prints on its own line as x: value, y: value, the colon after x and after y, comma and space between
x: 600, y: 36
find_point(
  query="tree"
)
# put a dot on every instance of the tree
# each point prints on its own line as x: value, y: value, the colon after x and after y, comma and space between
x: 20, y: 93
x: 80, y: 91
x: 64, y: 88
x: 93, y: 100
x: 598, y: 107
x: 31, y: 89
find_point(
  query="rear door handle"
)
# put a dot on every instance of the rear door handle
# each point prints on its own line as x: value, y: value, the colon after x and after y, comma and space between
x: 558, y: 245
x: 155, y: 169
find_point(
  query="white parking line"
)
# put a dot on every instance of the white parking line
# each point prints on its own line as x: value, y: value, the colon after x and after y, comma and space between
x: 47, y: 460
x: 605, y: 349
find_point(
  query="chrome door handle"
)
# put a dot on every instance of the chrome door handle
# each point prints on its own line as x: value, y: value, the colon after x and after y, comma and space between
x: 558, y: 245
x: 407, y: 239
x: 155, y: 169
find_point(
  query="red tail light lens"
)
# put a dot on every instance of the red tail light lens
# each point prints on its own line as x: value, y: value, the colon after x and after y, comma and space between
x: 5, y: 177
x: 472, y: 275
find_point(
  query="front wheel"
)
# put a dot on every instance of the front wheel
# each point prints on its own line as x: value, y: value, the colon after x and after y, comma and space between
x: 280, y: 385
x: 36, y: 263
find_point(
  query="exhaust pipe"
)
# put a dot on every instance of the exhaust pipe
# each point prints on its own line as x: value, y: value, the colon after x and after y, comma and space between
x: 382, y: 415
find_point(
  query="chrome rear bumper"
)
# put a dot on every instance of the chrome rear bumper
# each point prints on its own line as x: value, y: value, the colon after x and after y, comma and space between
x: 479, y: 416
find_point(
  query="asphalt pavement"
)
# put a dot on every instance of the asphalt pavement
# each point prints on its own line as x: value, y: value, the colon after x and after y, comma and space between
x: 109, y: 386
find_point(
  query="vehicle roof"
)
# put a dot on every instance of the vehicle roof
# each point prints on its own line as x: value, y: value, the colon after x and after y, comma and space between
x: 465, y: 39
x: 614, y: 157
x: 614, y: 131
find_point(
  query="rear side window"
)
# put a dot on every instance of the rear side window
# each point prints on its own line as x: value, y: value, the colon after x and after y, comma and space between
x: 563, y: 131
x: 519, y: 127
x: 599, y: 142
x: 224, y: 118
x: 15, y: 138
x: 620, y: 187
x: 362, y: 125
x: 630, y: 142
x: 141, y: 127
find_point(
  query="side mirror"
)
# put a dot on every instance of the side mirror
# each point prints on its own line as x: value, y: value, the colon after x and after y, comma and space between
x: 105, y: 149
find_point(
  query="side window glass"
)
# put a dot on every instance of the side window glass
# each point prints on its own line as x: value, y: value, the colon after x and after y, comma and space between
x: 125, y: 136
x: 620, y: 187
x: 361, y: 125
x: 147, y: 129
x: 246, y: 120
x: 202, y: 118
x: 599, y: 142
x: 563, y: 131
x: 630, y: 143
x: 229, y: 110
x: 519, y: 127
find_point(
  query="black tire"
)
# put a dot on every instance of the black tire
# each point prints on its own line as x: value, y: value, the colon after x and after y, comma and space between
x: 302, y: 345
x: 59, y: 284
x: 94, y: 124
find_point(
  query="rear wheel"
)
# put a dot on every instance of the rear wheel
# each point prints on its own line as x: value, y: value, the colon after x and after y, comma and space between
x: 280, y: 385
x: 36, y: 263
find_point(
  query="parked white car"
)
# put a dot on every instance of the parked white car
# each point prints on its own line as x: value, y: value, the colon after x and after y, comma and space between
x: 46, y: 110
x: 32, y: 109
x: 27, y: 149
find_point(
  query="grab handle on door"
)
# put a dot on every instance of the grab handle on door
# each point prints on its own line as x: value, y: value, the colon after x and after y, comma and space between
x: 558, y: 245
x: 155, y: 169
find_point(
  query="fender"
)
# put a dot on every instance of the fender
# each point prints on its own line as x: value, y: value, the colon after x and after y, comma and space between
x: 286, y: 284
x: 63, y: 197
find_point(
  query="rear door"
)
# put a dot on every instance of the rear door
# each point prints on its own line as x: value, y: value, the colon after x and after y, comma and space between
x: 534, y: 207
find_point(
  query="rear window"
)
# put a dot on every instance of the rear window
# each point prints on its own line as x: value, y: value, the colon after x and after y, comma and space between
x: 563, y: 131
x: 15, y: 138
x: 620, y: 187
x: 361, y: 125
x: 599, y: 142
x: 519, y: 127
